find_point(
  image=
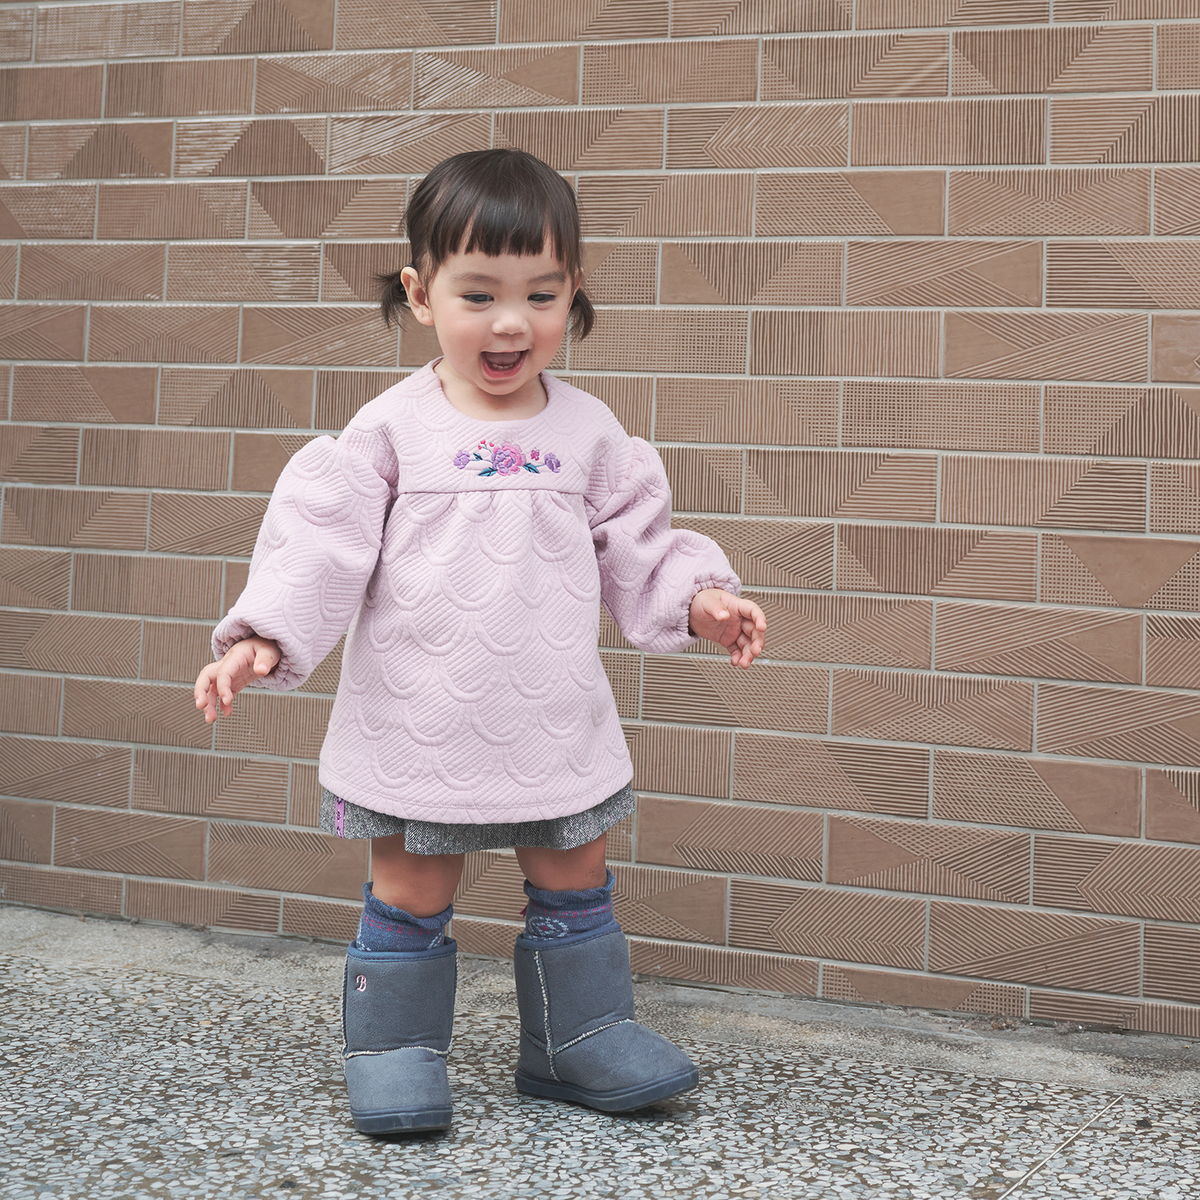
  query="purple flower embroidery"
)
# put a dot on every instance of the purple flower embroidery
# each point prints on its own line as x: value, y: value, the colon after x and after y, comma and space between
x: 507, y: 459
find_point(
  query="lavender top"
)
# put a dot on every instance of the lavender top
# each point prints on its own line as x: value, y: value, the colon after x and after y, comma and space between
x: 468, y: 560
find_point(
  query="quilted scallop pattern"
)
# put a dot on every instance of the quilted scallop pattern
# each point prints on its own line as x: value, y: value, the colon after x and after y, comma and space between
x: 468, y: 560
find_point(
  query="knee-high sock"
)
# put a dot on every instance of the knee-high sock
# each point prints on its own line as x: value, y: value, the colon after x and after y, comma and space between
x: 553, y: 915
x: 382, y: 927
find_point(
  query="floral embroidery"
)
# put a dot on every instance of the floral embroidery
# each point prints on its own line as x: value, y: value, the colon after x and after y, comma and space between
x: 506, y: 458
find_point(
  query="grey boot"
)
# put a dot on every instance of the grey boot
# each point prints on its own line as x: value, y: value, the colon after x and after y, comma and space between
x: 579, y: 1040
x: 397, y: 1019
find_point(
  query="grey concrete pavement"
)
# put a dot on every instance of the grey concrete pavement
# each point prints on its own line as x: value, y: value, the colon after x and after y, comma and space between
x: 144, y: 1061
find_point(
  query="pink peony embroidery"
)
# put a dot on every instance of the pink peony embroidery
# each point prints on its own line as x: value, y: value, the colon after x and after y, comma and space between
x: 507, y: 459
x: 553, y: 463
x: 461, y: 459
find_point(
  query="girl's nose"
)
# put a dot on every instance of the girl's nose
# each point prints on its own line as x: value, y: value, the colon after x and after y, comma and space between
x: 509, y: 320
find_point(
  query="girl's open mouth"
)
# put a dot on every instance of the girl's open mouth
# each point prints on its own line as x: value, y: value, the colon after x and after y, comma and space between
x: 498, y: 365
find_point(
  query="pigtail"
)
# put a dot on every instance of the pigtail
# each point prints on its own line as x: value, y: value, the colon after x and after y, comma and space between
x: 583, y: 315
x: 393, y: 299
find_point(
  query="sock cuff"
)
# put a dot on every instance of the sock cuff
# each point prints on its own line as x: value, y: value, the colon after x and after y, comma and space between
x: 589, y: 898
x: 377, y: 908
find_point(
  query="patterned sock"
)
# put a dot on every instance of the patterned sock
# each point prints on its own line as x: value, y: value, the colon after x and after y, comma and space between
x: 384, y: 928
x: 552, y: 915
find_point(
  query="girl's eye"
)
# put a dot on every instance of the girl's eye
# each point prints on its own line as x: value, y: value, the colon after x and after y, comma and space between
x: 542, y: 297
x: 477, y: 297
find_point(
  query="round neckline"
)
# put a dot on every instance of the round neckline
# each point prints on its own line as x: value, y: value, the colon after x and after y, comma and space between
x: 546, y: 381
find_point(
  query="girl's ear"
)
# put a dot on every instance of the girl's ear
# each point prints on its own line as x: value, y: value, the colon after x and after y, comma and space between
x: 418, y: 295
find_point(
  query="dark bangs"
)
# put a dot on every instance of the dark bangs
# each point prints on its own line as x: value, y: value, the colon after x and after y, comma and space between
x: 496, y: 202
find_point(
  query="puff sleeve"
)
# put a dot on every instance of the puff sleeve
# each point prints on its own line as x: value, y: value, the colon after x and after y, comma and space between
x: 649, y: 572
x: 315, y: 553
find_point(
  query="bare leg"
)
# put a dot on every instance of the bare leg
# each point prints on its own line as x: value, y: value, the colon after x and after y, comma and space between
x: 565, y: 870
x: 420, y: 884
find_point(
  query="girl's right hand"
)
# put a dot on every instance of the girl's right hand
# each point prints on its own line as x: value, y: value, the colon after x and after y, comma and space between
x: 244, y: 661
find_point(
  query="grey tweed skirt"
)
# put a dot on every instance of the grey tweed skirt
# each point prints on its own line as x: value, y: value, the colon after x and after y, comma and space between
x: 348, y: 820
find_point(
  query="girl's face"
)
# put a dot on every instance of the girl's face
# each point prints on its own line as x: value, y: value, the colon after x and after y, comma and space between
x: 499, y: 321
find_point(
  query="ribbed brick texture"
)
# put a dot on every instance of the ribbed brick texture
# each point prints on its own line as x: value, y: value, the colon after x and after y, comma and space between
x: 904, y: 292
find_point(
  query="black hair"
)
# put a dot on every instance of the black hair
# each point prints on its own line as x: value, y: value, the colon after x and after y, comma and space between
x: 496, y: 201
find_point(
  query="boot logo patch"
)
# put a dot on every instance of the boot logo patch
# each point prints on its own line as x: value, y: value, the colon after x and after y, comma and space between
x: 360, y: 983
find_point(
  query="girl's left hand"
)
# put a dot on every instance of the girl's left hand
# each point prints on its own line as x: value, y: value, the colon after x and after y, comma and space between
x: 737, y: 624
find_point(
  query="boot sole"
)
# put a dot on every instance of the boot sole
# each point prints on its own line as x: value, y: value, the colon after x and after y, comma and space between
x: 402, y: 1122
x: 622, y: 1100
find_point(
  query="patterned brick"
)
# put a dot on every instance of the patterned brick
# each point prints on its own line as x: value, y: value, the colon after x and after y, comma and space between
x: 201, y: 907
x: 371, y: 24
x: 1179, y: 56
x: 855, y: 203
x: 292, y: 860
x: 53, y: 331
x: 1111, y: 58
x: 153, y: 458
x: 333, y: 83
x: 698, y: 18
x: 316, y: 335
x: 989, y: 713
x: 92, y: 272
x: 711, y: 692
x: 111, y: 151
x: 191, y: 524
x: 129, y: 843
x: 620, y: 272
x: 1174, y: 497
x: 749, y: 137
x: 586, y: 139
x: 891, y: 14
x: 1032, y: 947
x: 1124, y: 274
x: 1142, y: 422
x: 174, y: 651
x: 1079, y: 201
x: 841, y: 483
x: 179, y: 89
x: 46, y: 210
x: 987, y: 274
x: 62, y: 517
x: 704, y: 480
x: 1176, y: 208
x: 255, y: 26
x: 921, y: 991
x: 1172, y: 963
x: 249, y: 147
x: 505, y: 78
x: 752, y: 273
x: 51, y: 93
x: 1036, y: 793
x: 39, y: 454
x: 26, y: 831
x: 172, y: 210
x: 955, y: 132
x: 693, y: 761
x: 16, y: 34
x: 1173, y: 349
x: 108, y: 30
x: 669, y: 72
x: 340, y: 394
x: 582, y: 20
x: 848, y: 629
x: 62, y: 642
x: 1172, y: 651
x: 939, y: 860
x: 31, y: 579
x: 135, y: 333
x: 657, y: 339
x: 93, y: 395
x: 983, y: 564
x: 273, y: 724
x: 1128, y: 571
x: 161, y: 587
x: 74, y: 772
x: 72, y: 891
x: 851, y: 927
x: 667, y: 205
x: 1145, y: 726
x: 679, y: 905
x: 733, y: 839
x: 798, y: 412
x: 1173, y: 806
x: 773, y: 553
x: 272, y: 273
x: 825, y: 342
x: 249, y: 398
x: 1036, y: 345
x: 259, y: 457
x: 875, y: 65
x: 910, y: 414
x: 207, y: 786
x: 1070, y: 493
x: 1131, y: 880
x: 1137, y: 129
x: 316, y: 919
x: 728, y: 968
x: 826, y: 774
x: 403, y: 144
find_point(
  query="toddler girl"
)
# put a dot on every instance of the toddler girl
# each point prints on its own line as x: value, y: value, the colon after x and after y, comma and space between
x: 463, y: 531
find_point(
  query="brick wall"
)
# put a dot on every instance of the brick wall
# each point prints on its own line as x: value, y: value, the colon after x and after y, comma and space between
x: 899, y: 287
